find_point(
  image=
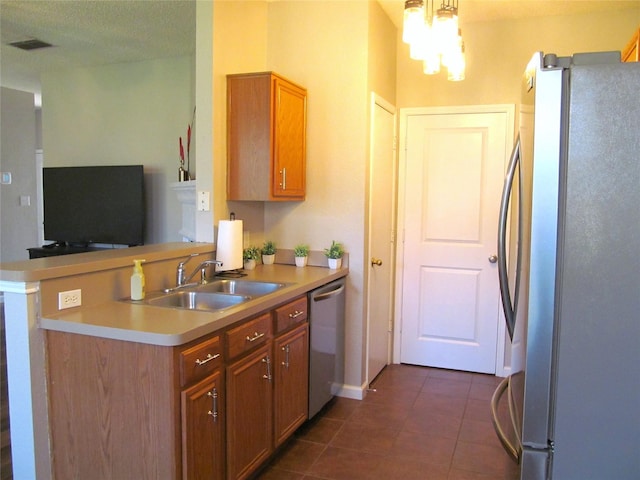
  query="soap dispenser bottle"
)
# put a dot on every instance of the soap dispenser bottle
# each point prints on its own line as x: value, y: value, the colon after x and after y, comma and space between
x: 137, y: 281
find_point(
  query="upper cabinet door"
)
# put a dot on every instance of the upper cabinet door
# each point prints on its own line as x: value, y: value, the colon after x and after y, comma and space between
x: 631, y: 52
x: 289, y: 143
x: 266, y: 138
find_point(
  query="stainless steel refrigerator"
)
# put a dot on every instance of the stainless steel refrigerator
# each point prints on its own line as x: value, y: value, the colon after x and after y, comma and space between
x: 569, y: 271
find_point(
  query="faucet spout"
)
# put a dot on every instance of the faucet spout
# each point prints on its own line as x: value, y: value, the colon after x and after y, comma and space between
x: 202, y: 268
x: 180, y: 273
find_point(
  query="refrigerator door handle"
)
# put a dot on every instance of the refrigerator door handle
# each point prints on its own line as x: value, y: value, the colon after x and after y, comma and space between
x: 509, y: 304
x: 495, y: 399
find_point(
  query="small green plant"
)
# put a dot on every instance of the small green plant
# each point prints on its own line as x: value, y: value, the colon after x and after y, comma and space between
x: 251, y: 253
x: 301, y: 250
x: 269, y: 248
x: 336, y: 250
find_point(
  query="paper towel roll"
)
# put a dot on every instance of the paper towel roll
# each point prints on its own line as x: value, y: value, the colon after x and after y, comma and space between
x: 229, y: 246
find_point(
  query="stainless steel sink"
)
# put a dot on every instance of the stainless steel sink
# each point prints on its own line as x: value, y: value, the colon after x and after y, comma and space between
x: 214, y: 296
x: 197, y: 300
x: 241, y: 287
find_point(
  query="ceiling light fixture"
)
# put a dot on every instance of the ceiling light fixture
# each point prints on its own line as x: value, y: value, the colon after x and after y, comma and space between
x: 435, y: 38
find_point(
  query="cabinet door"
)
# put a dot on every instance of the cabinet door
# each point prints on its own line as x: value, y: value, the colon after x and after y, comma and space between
x: 203, y: 429
x: 289, y: 144
x: 291, y: 382
x: 249, y: 408
x: 631, y: 52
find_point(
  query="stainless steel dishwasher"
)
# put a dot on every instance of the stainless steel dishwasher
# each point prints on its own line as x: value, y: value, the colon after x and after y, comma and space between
x: 326, y: 323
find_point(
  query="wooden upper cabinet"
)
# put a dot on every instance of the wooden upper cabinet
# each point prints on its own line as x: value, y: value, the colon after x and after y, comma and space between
x: 631, y: 52
x: 266, y: 138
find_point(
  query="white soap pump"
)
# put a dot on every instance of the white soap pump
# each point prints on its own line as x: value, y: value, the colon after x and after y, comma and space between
x: 137, y: 280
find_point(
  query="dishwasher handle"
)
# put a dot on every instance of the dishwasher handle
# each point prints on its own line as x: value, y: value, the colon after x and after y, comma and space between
x: 327, y: 295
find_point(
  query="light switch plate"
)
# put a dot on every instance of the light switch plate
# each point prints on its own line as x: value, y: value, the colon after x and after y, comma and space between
x: 203, y: 201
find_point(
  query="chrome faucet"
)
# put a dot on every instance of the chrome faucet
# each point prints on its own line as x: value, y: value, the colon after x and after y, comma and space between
x: 203, y: 270
x: 180, y: 274
x: 183, y: 280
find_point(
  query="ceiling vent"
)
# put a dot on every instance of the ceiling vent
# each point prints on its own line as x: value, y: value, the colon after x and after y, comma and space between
x: 31, y: 44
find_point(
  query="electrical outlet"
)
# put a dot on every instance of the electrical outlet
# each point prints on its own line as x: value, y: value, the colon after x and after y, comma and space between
x: 70, y: 298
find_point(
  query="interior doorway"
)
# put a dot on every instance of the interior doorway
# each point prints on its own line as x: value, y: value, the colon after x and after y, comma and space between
x: 451, y: 173
x: 381, y: 235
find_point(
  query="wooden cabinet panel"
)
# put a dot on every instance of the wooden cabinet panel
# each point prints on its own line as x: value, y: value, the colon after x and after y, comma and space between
x: 248, y: 335
x: 291, y: 314
x: 200, y: 360
x: 203, y: 429
x: 113, y: 408
x: 266, y: 138
x: 631, y: 52
x: 249, y: 409
x: 291, y: 382
x: 289, y: 142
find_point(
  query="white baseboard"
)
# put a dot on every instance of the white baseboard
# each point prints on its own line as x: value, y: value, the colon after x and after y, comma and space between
x: 349, y: 391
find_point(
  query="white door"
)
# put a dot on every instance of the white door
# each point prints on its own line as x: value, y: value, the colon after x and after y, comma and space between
x: 454, y: 170
x: 381, y: 221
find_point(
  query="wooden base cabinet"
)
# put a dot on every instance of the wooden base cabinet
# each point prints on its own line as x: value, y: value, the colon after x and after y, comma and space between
x: 291, y: 385
x: 203, y: 429
x: 249, y: 407
x: 212, y: 409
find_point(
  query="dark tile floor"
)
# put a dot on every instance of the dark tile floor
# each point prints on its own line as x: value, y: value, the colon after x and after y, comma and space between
x: 415, y: 423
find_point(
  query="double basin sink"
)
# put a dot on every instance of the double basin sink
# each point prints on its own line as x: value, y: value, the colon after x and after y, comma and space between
x: 214, y: 296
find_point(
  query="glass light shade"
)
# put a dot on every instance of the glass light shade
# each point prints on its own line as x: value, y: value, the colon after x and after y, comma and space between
x: 413, y: 21
x: 445, y: 26
x: 456, y: 67
x: 451, y: 50
x: 419, y: 46
x: 431, y: 64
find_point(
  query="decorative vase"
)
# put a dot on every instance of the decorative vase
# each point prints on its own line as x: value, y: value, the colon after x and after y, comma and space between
x: 335, y: 263
x: 249, y: 264
x: 301, y: 261
x: 268, y: 259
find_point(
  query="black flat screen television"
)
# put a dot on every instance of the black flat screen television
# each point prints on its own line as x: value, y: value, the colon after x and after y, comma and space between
x: 92, y: 205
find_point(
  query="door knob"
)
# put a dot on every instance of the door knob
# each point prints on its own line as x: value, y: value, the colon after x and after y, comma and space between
x: 493, y: 259
x: 375, y: 261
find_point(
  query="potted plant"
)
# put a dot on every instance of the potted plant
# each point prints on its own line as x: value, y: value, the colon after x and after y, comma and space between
x: 249, y: 256
x: 268, y: 252
x: 301, y: 252
x: 334, y: 253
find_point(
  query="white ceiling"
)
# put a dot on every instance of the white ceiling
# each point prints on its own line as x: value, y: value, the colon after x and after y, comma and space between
x: 89, y: 33
x: 99, y: 32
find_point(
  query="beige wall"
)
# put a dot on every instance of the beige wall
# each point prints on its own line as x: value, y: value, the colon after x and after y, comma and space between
x: 18, y: 223
x: 123, y: 114
x: 497, y: 53
x: 338, y: 66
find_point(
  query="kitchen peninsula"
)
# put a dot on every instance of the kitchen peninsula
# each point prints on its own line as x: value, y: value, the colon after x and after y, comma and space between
x: 110, y: 346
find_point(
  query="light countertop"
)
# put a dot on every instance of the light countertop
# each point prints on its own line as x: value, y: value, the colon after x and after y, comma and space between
x: 145, y: 323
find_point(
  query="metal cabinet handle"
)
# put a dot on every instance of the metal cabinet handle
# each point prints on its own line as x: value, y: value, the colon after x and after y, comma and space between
x: 214, y: 410
x: 255, y: 337
x: 286, y: 349
x: 296, y: 314
x: 267, y: 360
x: 208, y: 358
x: 283, y: 184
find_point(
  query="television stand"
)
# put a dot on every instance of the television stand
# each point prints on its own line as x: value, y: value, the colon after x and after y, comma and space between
x: 60, y: 249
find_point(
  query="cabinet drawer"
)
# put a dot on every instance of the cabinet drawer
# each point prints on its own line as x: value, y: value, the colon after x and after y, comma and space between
x: 248, y: 335
x: 291, y: 314
x: 200, y: 360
